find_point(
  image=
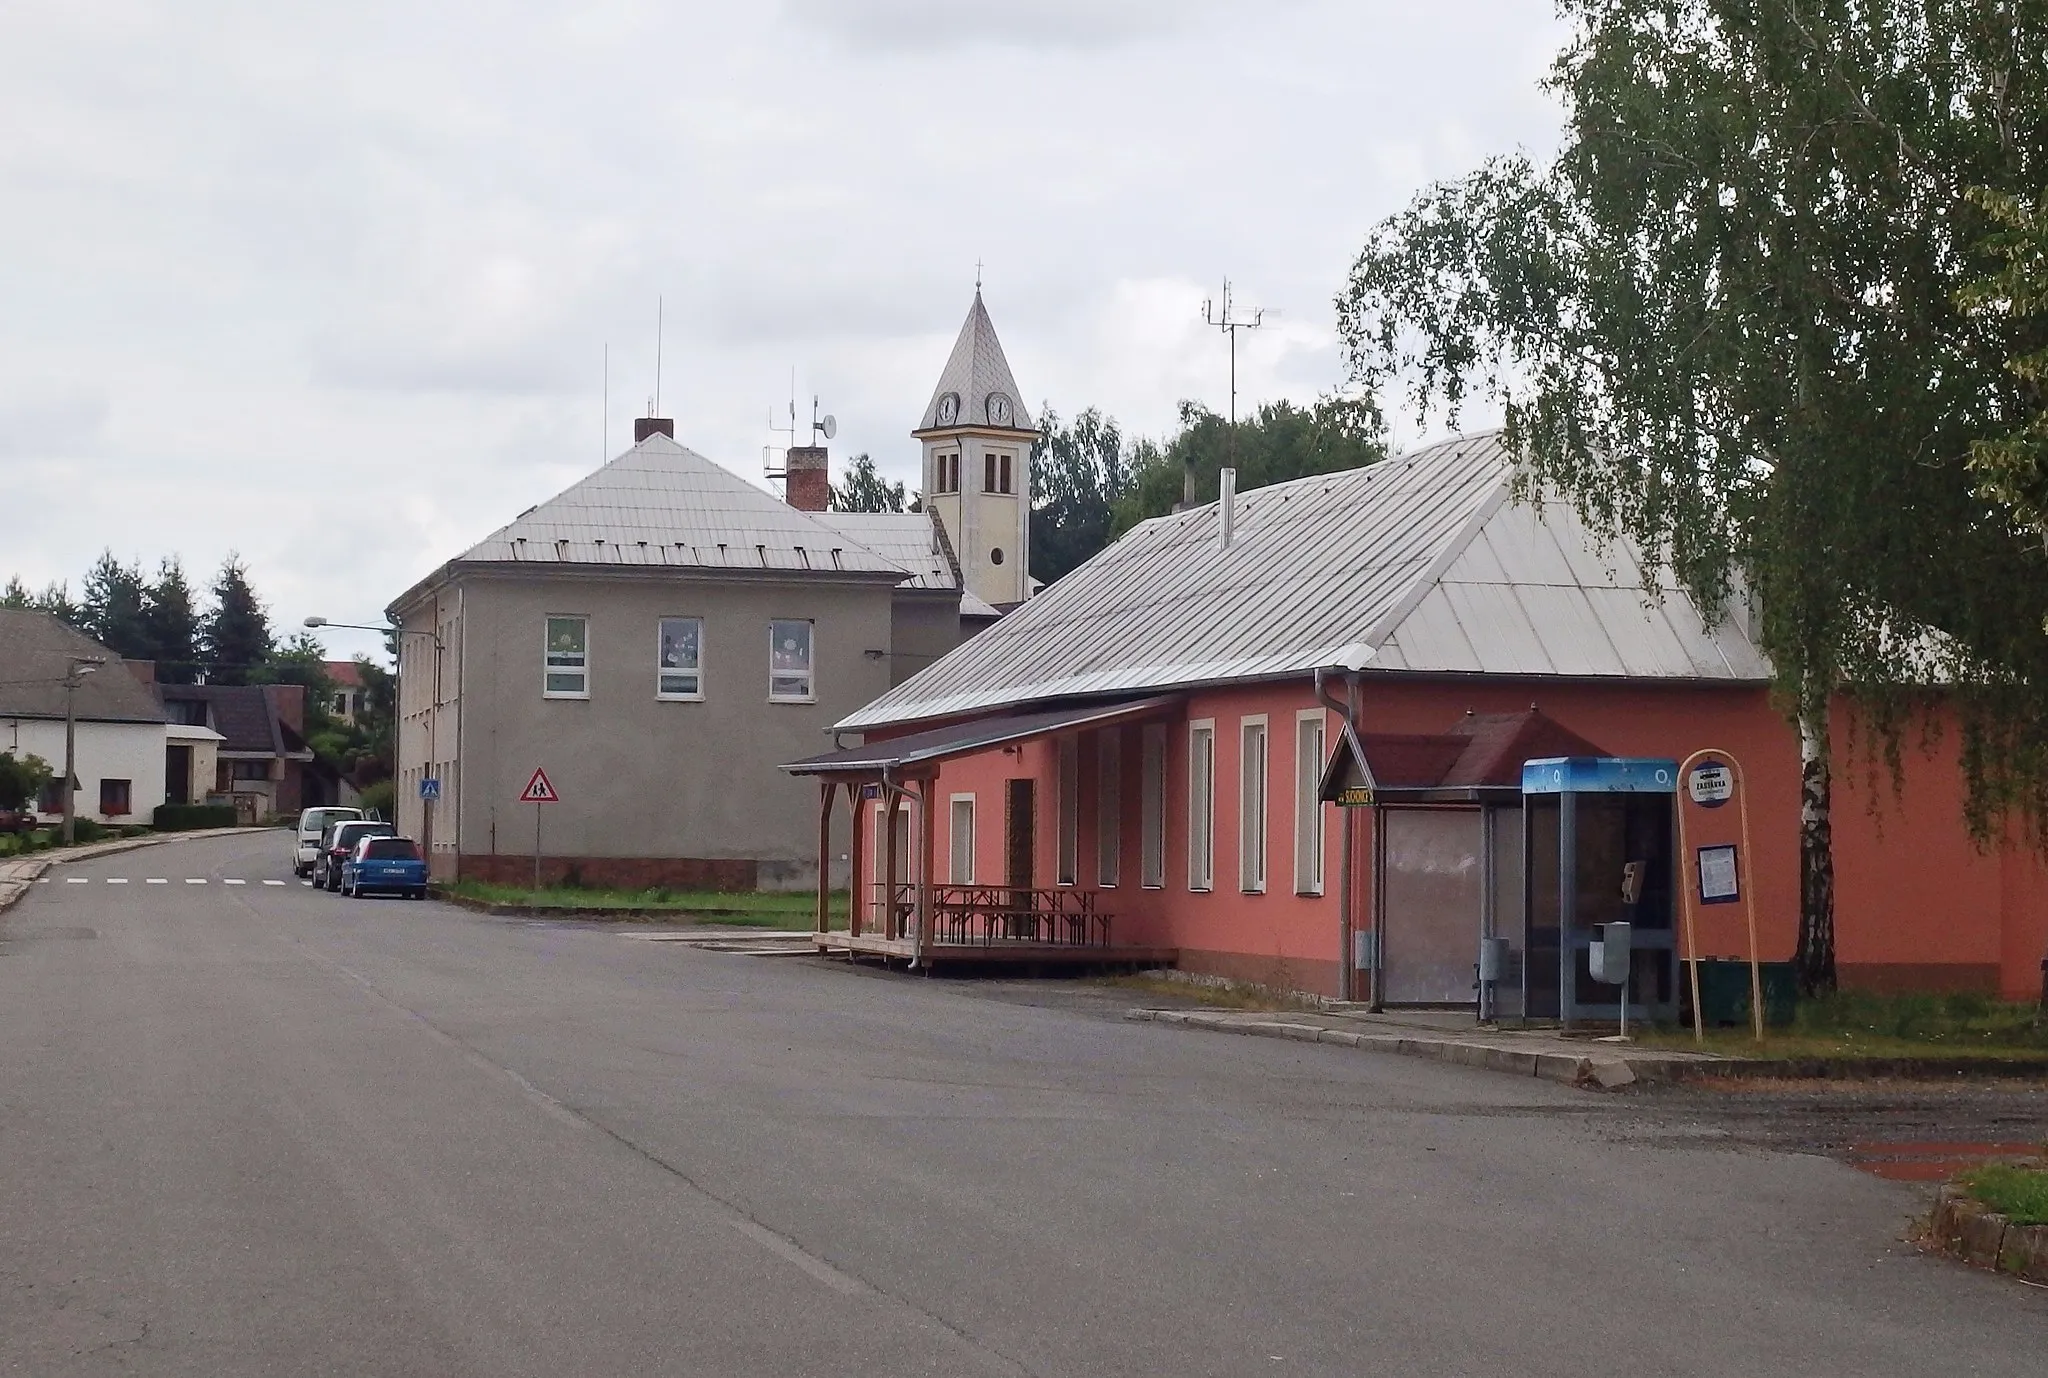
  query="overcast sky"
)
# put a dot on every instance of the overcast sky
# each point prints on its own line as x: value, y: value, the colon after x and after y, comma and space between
x: 331, y: 285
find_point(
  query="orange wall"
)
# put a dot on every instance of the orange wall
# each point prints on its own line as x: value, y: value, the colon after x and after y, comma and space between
x: 1917, y: 905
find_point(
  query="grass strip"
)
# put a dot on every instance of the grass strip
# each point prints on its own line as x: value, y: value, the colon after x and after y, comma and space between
x: 2020, y: 1194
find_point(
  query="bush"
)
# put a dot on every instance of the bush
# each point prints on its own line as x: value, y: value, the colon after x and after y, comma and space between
x: 380, y: 800
x: 179, y: 818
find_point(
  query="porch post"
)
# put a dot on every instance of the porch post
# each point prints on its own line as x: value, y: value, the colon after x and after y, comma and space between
x: 890, y: 929
x: 826, y: 789
x: 857, y: 855
x: 924, y: 869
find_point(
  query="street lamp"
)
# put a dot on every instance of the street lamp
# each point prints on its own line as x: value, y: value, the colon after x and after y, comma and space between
x: 433, y: 718
x: 74, y: 675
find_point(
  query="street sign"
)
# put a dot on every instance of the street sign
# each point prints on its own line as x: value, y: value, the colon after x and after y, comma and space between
x: 1710, y: 784
x: 539, y: 790
x: 430, y: 788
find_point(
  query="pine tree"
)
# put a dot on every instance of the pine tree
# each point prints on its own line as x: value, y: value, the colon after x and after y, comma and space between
x: 171, y: 625
x: 113, y: 598
x: 235, y: 636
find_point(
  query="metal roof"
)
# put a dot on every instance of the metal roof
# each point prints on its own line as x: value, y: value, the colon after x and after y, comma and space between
x: 36, y: 651
x: 902, y: 538
x: 974, y: 372
x: 1420, y: 563
x: 960, y: 739
x: 660, y: 504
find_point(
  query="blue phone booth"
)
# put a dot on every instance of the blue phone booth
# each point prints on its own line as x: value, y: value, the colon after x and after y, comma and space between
x: 1598, y: 833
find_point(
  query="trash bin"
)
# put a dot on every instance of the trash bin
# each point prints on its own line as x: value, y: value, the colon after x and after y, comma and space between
x: 1724, y: 993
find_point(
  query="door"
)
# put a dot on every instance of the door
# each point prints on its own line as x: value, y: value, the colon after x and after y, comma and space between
x: 1432, y: 895
x: 178, y: 774
x: 1020, y: 805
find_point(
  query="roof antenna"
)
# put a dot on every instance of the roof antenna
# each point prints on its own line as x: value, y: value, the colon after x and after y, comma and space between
x: 977, y: 277
x: 657, y: 358
x: 605, y: 417
x: 1229, y: 325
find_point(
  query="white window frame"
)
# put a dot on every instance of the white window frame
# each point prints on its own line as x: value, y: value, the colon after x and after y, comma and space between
x: 960, y: 860
x: 1202, y: 805
x: 1109, y: 807
x: 1152, y: 807
x: 810, y: 671
x: 548, y: 670
x: 1254, y: 791
x: 1311, y: 750
x: 660, y: 671
x: 1068, y: 871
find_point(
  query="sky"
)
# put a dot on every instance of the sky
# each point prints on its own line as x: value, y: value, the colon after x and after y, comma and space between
x: 333, y: 287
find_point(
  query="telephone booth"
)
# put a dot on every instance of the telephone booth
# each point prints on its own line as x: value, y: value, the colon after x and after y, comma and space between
x: 1599, y: 841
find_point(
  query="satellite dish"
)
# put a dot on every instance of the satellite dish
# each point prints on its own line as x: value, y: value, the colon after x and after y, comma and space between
x: 830, y: 426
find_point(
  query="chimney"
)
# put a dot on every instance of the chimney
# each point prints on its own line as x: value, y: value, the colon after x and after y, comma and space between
x: 808, y: 479
x: 644, y: 426
x: 144, y: 670
x: 1226, y: 508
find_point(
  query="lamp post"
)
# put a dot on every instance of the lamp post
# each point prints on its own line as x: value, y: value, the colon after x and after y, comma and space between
x: 74, y: 675
x: 397, y: 726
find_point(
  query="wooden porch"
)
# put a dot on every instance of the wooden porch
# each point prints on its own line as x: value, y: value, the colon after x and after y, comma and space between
x: 1065, y: 926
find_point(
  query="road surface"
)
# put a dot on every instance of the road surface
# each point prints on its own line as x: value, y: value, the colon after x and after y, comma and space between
x: 258, y: 1129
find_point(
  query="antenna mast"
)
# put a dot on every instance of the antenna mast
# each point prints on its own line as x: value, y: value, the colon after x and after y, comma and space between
x: 1221, y: 318
x: 657, y: 357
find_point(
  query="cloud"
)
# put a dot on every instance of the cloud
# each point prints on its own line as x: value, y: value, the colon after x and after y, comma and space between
x: 943, y: 24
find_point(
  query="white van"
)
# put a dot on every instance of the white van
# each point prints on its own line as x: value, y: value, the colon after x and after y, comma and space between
x: 312, y: 823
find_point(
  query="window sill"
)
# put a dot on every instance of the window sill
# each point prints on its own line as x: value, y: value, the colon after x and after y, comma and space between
x: 583, y: 697
x: 1314, y: 894
x: 796, y: 702
x: 679, y: 698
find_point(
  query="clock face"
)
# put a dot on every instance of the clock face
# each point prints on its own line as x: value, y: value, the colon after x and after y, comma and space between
x: 998, y: 409
x: 949, y: 409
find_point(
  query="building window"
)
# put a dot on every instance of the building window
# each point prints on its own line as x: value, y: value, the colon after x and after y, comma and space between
x: 249, y: 770
x: 789, y: 661
x: 113, y: 798
x: 679, y: 659
x: 946, y: 472
x: 1308, y: 805
x: 1201, y: 805
x: 566, y: 667
x: 1070, y: 812
x: 1003, y: 473
x: 961, y: 841
x: 51, y: 799
x: 1109, y: 818
x: 1152, y: 810
x: 1251, y: 806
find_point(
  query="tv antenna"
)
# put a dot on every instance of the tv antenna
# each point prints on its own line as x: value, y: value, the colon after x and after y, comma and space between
x: 824, y: 424
x: 1219, y: 315
x: 655, y: 405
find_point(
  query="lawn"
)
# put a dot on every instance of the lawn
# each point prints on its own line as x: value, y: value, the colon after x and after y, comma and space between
x: 1857, y: 1024
x: 2018, y: 1193
x: 750, y: 908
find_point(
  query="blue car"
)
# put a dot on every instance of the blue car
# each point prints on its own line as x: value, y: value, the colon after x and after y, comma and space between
x: 391, y: 864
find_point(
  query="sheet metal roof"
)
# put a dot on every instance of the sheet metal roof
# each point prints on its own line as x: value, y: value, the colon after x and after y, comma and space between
x: 902, y: 538
x: 959, y: 739
x: 35, y: 658
x: 660, y: 504
x: 975, y: 370
x: 1420, y: 563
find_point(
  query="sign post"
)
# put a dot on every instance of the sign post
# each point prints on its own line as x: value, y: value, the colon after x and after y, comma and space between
x: 430, y: 792
x: 1712, y: 778
x: 539, y: 790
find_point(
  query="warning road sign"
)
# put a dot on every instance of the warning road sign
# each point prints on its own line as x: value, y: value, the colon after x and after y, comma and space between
x: 539, y: 790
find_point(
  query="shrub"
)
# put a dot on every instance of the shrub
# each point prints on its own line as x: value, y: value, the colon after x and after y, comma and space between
x: 178, y: 818
x: 380, y: 800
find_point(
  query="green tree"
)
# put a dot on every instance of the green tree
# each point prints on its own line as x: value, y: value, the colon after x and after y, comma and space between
x: 375, y: 722
x: 171, y: 624
x: 55, y: 600
x: 1277, y: 442
x: 1079, y: 471
x: 21, y: 779
x: 234, y: 636
x: 113, y: 598
x: 865, y: 490
x: 1724, y: 321
x: 2012, y: 468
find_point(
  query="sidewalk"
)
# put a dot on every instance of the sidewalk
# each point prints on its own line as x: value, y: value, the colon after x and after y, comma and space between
x: 1451, y: 1038
x: 17, y: 874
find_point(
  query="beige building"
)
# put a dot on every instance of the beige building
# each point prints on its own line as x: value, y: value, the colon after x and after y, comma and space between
x: 658, y: 640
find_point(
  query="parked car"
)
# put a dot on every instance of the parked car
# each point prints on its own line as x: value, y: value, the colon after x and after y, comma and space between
x: 312, y: 824
x: 17, y: 821
x: 340, y: 840
x: 390, y: 864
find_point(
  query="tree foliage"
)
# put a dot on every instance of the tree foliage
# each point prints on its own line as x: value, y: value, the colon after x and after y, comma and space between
x: 863, y: 489
x: 1080, y: 470
x: 22, y: 779
x: 114, y: 599
x: 170, y: 625
x: 1725, y: 321
x: 235, y: 634
x: 1277, y: 442
x: 54, y: 600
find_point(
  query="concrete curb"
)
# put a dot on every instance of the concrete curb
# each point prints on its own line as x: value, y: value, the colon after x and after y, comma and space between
x: 1967, y: 1229
x: 1588, y: 1071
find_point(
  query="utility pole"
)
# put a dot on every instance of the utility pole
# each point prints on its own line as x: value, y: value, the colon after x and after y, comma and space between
x: 80, y: 667
x: 1218, y: 314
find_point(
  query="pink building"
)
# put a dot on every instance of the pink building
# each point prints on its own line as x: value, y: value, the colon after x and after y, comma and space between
x: 1130, y: 766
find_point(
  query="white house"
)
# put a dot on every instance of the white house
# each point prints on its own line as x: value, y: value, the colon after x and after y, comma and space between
x: 120, y: 735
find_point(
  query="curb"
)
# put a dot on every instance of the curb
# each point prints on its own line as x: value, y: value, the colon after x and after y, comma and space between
x: 1867, y: 1069
x: 1966, y: 1229
x: 1570, y: 1069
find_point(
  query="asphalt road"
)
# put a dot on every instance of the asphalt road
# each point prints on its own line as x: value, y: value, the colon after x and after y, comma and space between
x: 250, y: 1129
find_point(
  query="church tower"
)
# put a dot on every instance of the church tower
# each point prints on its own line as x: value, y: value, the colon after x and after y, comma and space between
x: 977, y: 463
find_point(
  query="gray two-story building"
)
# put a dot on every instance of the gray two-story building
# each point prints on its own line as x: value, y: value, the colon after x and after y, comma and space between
x: 656, y: 641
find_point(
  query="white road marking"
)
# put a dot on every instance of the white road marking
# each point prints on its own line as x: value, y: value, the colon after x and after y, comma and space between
x: 42, y: 880
x: 234, y: 882
x: 156, y: 880
x: 78, y: 880
x: 117, y: 880
x: 195, y: 880
x: 273, y: 882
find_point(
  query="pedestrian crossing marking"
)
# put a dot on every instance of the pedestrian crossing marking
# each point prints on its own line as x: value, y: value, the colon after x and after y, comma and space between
x: 195, y: 880
x: 78, y: 880
x: 117, y: 880
x: 273, y: 882
x: 234, y: 882
x: 156, y: 880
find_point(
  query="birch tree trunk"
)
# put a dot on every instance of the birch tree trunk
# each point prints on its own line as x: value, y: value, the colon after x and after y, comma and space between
x: 1814, y: 963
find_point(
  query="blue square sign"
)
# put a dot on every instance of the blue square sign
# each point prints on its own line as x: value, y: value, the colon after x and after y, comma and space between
x: 430, y: 788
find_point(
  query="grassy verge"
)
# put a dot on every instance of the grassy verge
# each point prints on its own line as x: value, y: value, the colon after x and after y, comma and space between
x: 753, y: 909
x: 2018, y: 1193
x: 1212, y: 997
x: 1859, y: 1025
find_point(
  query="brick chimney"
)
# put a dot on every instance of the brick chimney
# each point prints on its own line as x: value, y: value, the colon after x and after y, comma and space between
x: 644, y: 426
x: 809, y: 479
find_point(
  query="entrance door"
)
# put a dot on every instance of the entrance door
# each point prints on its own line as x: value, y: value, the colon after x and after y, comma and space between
x: 178, y: 774
x: 1020, y: 806
x: 1432, y: 895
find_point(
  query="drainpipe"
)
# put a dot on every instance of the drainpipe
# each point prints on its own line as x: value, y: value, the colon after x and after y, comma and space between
x: 1345, y: 966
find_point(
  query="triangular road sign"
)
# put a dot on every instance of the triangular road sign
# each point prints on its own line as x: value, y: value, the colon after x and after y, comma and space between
x: 539, y: 790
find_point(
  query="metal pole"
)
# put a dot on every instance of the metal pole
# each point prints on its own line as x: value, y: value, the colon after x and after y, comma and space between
x: 536, y: 846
